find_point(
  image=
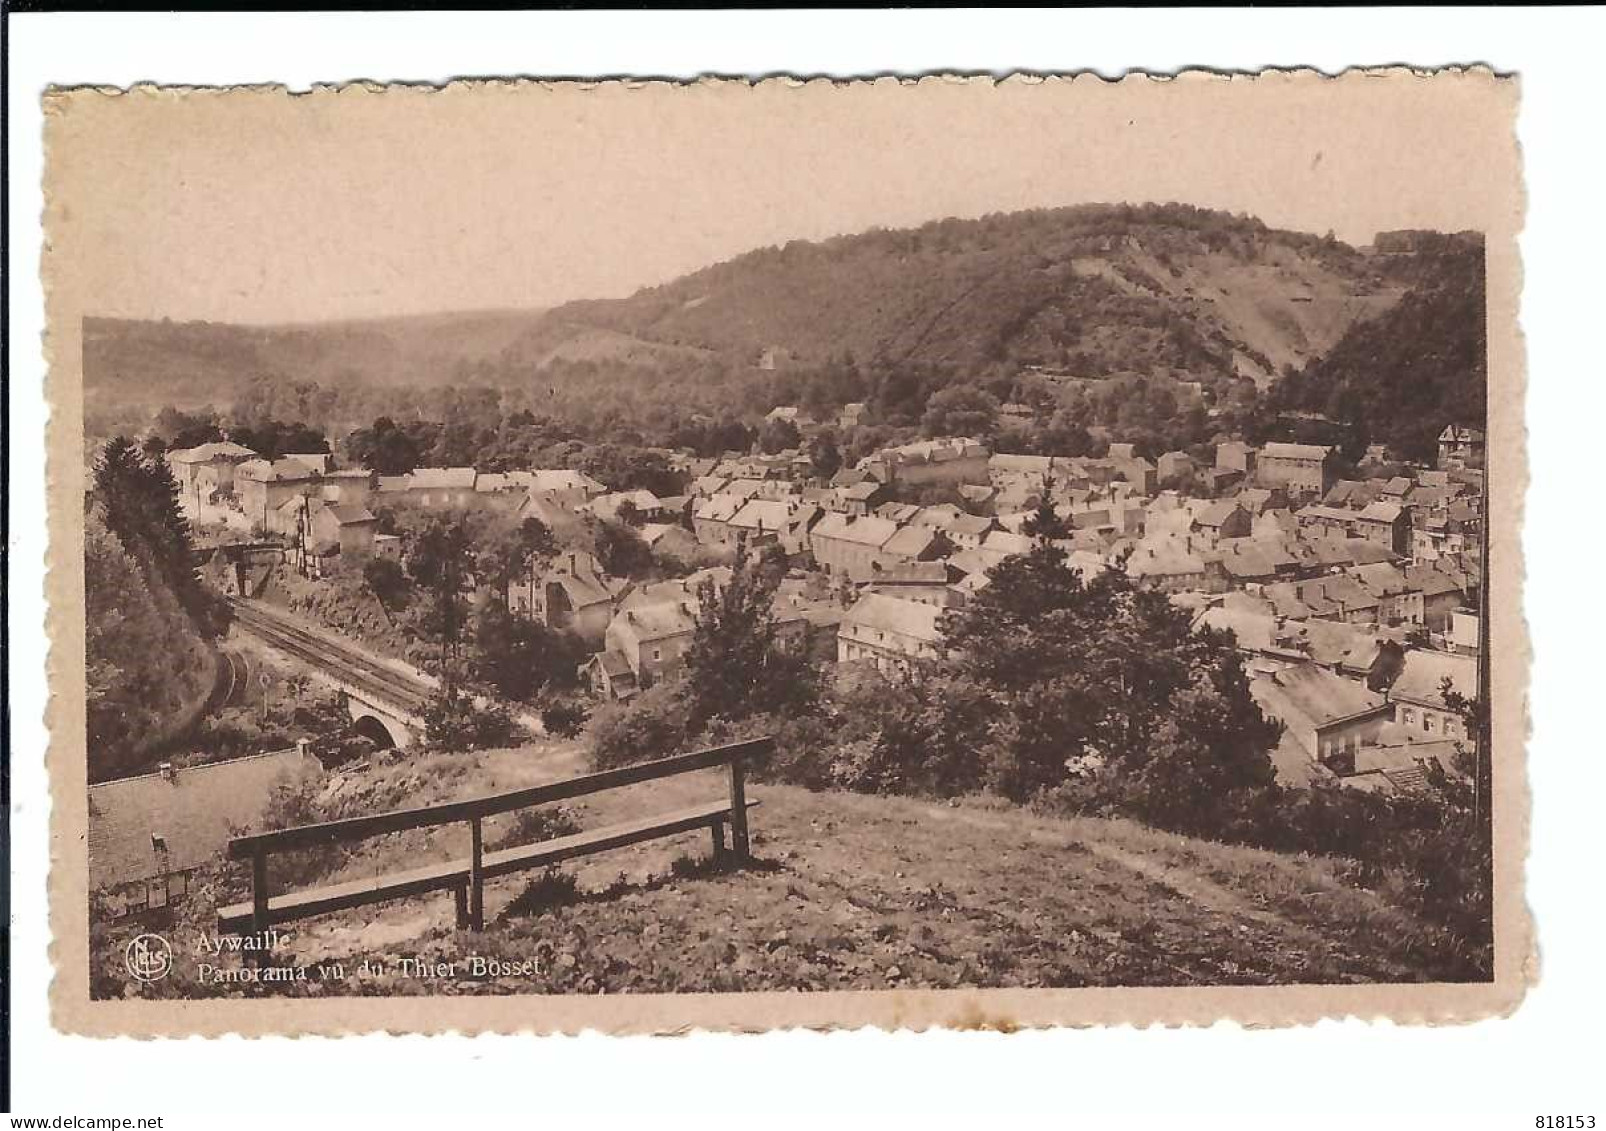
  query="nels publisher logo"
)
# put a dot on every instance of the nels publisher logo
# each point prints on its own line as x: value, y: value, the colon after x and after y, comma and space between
x: 148, y: 958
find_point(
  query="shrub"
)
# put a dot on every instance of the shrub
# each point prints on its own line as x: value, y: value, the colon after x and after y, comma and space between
x: 531, y: 826
x: 549, y: 891
x: 299, y: 801
x: 564, y: 717
x: 454, y: 721
x: 652, y: 725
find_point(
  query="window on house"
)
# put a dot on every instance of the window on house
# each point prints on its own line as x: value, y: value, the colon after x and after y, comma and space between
x: 1427, y: 723
x: 1409, y: 715
x: 657, y: 653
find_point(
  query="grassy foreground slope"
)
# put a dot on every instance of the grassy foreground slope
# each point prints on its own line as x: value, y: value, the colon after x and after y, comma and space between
x: 852, y: 891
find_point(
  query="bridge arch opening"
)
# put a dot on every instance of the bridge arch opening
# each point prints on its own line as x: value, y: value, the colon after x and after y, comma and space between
x: 379, y: 731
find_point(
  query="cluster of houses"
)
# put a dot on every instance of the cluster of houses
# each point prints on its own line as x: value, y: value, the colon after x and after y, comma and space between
x: 1352, y: 599
x: 1342, y: 593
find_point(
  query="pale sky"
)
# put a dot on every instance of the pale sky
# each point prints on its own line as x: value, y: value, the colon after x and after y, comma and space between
x: 273, y: 208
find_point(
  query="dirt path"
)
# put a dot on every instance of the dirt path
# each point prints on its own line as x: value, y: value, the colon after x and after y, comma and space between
x: 1190, y: 885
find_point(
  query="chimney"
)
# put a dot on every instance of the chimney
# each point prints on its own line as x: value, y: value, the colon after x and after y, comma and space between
x: 167, y: 770
x: 303, y: 747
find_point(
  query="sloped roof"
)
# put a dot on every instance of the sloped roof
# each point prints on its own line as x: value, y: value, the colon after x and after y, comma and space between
x: 1381, y: 579
x: 914, y: 573
x: 910, y: 541
x: 194, y: 812
x: 1430, y: 581
x: 1278, y: 450
x: 868, y: 530
x: 654, y: 532
x: 882, y: 613
x: 1216, y: 513
x: 563, y: 479
x: 443, y: 477
x: 1002, y: 541
x: 762, y: 514
x: 1424, y: 673
x: 347, y: 514
x: 660, y: 620
x: 1319, y: 695
x: 940, y: 516
x: 1164, y: 561
x: 898, y: 512
x: 1249, y: 561
x: 1381, y: 512
x: 218, y: 449
x: 280, y: 470
x: 721, y: 507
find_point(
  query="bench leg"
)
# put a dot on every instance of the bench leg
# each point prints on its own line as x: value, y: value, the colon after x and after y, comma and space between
x: 460, y: 893
x: 718, y: 830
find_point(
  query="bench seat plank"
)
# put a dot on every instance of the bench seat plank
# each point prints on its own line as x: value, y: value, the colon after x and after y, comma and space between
x: 355, y: 893
x: 454, y: 873
x: 558, y: 849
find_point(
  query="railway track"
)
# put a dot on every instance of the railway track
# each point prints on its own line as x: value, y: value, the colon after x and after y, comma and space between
x: 237, y: 677
x: 342, y: 662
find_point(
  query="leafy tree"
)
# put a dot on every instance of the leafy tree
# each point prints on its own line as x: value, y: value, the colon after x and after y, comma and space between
x: 1107, y: 680
x: 509, y: 554
x: 777, y: 435
x: 442, y: 561
x: 734, y: 667
x: 181, y: 430
x: 1401, y: 377
x: 623, y: 467
x: 518, y: 657
x: 273, y: 439
x: 651, y: 725
x: 146, y: 665
x: 385, y: 448
x: 824, y: 454
x: 1045, y: 521
x: 140, y: 500
x: 621, y: 551
x: 387, y: 581
x: 454, y: 721
x: 961, y: 411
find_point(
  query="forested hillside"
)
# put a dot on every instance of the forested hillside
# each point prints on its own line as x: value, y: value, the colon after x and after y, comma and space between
x: 1092, y: 291
x: 1399, y: 378
x: 148, y: 620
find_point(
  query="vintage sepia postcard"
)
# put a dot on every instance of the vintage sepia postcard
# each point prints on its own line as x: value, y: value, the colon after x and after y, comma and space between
x: 642, y: 556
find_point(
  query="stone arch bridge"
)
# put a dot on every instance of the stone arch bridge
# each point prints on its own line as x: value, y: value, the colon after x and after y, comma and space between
x: 384, y: 700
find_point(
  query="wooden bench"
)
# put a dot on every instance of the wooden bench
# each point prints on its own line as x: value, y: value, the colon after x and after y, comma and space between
x: 466, y: 878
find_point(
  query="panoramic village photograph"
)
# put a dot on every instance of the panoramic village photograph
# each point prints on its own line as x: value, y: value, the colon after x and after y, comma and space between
x: 1056, y: 593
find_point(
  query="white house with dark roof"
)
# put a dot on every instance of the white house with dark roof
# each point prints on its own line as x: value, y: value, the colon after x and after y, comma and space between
x: 204, y: 470
x: 1300, y: 469
x: 1418, y: 698
x: 889, y: 632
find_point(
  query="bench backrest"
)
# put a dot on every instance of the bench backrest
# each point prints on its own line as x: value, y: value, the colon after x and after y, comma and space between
x: 477, y: 808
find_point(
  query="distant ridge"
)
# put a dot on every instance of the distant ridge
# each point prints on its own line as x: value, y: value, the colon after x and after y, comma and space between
x: 1092, y: 290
